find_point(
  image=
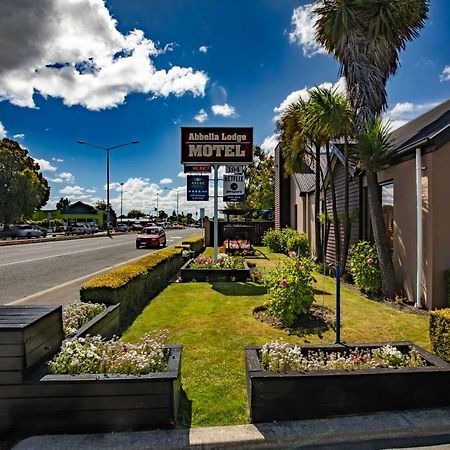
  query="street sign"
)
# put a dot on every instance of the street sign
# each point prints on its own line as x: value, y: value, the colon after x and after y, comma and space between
x: 197, y: 188
x: 213, y: 145
x: 190, y: 169
x: 234, y: 169
x: 233, y: 188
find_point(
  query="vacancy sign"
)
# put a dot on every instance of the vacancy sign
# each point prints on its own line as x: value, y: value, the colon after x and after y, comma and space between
x: 212, y: 145
x: 233, y: 188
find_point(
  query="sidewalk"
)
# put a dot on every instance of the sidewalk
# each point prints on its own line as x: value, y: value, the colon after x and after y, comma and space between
x: 410, y: 429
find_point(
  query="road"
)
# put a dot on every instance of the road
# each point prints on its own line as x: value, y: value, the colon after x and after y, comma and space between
x: 52, y: 272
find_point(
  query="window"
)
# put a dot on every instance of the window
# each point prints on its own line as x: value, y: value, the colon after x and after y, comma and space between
x: 387, y: 201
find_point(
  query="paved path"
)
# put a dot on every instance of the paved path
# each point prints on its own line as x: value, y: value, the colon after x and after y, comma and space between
x: 52, y: 272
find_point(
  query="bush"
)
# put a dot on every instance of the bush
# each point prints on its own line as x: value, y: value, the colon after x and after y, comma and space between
x: 134, y: 285
x: 75, y: 315
x: 440, y: 333
x: 447, y: 284
x: 287, y: 240
x: 290, y: 287
x: 195, y: 244
x: 365, y: 268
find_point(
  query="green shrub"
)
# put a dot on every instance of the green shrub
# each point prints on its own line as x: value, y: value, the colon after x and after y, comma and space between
x: 272, y: 240
x: 290, y: 288
x: 195, y: 244
x: 440, y: 333
x: 287, y: 240
x: 134, y: 285
x: 365, y: 268
x: 447, y: 284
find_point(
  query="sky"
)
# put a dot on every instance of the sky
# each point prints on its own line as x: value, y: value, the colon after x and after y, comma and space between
x: 111, y: 72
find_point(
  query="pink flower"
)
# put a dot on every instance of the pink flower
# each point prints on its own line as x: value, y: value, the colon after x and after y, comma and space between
x: 292, y: 254
x: 284, y: 282
x: 125, y: 348
x: 370, y: 261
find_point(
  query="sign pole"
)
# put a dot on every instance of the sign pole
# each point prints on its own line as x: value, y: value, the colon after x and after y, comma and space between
x: 216, y: 212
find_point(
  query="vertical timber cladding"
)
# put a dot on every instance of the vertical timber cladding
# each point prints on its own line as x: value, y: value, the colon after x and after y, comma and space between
x: 214, y: 145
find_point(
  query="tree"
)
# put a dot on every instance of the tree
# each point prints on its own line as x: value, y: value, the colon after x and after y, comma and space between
x: 135, y: 213
x: 100, y: 204
x: 162, y: 215
x: 22, y: 186
x: 63, y: 203
x: 366, y: 37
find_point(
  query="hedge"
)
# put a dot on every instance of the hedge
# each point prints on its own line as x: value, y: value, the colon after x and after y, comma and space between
x: 447, y: 285
x: 133, y: 285
x: 440, y: 333
x: 195, y: 243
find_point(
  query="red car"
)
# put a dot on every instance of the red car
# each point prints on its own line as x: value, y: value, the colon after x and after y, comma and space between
x: 151, y: 237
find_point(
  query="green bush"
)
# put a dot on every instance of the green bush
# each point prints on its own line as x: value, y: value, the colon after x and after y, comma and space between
x: 287, y: 240
x: 195, y: 244
x: 447, y: 284
x: 134, y: 285
x: 272, y: 240
x: 290, y: 288
x: 365, y: 268
x: 440, y: 333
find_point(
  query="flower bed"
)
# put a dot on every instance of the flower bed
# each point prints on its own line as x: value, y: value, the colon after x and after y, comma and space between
x: 238, y: 247
x: 205, y: 268
x: 342, y: 380
x: 75, y: 315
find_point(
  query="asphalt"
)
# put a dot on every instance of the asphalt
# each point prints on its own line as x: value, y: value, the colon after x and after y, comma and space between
x: 408, y: 429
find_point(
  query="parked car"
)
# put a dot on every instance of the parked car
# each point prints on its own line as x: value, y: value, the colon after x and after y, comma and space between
x: 79, y: 229
x: 151, y: 237
x: 26, y: 231
x: 122, y: 227
x: 137, y: 227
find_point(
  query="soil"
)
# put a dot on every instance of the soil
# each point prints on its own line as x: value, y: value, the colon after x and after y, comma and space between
x: 318, y: 320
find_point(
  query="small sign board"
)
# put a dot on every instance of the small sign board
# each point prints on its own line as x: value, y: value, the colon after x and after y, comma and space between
x: 213, y: 145
x: 202, y: 213
x: 233, y: 188
x: 190, y: 169
x: 197, y: 188
x: 234, y: 169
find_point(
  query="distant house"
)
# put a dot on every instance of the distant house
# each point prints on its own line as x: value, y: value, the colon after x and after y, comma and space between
x: 417, y: 215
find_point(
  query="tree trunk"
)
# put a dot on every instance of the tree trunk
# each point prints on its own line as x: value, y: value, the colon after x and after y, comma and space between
x: 347, y: 225
x: 317, y: 224
x: 380, y: 236
x: 337, y: 234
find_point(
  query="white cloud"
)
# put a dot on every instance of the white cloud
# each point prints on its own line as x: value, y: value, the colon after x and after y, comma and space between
x: 3, y: 131
x: 203, y: 49
x: 201, y: 116
x: 182, y: 175
x: 166, y: 181
x: 445, y: 75
x: 224, y: 110
x: 402, y: 113
x: 57, y: 160
x: 72, y: 190
x: 269, y: 144
x: 303, y: 20
x: 47, y: 49
x: 339, y: 86
x: 19, y: 136
x: 67, y: 176
x: 91, y: 191
x: 56, y: 180
x: 45, y: 165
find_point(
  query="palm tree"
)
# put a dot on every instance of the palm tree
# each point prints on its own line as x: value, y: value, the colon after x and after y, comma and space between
x: 366, y: 36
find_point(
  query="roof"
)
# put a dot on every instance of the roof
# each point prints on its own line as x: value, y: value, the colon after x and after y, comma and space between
x: 306, y: 180
x: 423, y: 129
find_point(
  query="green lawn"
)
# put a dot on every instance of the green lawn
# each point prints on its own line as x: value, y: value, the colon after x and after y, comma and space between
x: 214, y: 322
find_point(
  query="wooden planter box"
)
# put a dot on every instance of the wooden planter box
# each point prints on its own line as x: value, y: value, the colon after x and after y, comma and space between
x: 92, y: 403
x: 105, y: 324
x: 188, y: 274
x: 276, y: 396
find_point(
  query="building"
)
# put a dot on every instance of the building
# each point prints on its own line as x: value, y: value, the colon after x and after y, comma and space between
x: 414, y: 190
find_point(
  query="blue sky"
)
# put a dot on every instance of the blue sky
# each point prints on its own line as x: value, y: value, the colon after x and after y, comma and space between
x: 116, y: 71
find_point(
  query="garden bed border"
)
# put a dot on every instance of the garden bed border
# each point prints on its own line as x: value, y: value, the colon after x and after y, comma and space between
x: 201, y: 275
x: 105, y: 324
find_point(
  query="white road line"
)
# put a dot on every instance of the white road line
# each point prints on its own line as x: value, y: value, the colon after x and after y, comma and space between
x: 63, y: 254
x: 68, y: 283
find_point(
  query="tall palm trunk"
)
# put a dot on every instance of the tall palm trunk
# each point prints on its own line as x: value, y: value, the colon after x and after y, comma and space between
x: 317, y: 224
x: 337, y: 234
x: 380, y: 236
x: 347, y: 225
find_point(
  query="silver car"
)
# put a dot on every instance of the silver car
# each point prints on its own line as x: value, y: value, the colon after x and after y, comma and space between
x: 27, y: 231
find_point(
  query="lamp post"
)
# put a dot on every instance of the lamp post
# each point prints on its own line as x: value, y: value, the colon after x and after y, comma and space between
x: 107, y: 175
x: 121, y: 201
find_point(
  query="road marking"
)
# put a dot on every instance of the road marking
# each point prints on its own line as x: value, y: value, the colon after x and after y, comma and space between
x: 63, y: 254
x: 68, y: 283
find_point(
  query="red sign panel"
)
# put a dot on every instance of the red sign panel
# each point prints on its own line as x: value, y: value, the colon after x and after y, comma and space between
x: 216, y: 145
x: 190, y: 169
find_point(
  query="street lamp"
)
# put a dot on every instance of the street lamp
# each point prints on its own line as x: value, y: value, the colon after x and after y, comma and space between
x: 121, y: 201
x: 107, y: 175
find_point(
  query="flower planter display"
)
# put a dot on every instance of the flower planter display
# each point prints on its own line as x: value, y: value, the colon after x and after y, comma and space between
x: 200, y: 274
x: 92, y: 403
x: 105, y: 324
x: 274, y: 396
x: 238, y: 247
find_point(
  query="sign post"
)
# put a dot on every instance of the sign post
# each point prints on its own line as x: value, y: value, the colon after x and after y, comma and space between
x: 216, y: 212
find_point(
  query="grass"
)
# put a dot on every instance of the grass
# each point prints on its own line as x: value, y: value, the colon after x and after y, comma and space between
x: 214, y: 322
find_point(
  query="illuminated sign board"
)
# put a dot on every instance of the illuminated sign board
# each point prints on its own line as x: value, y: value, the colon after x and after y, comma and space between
x: 211, y: 145
x: 233, y: 188
x: 198, y: 168
x: 197, y: 188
